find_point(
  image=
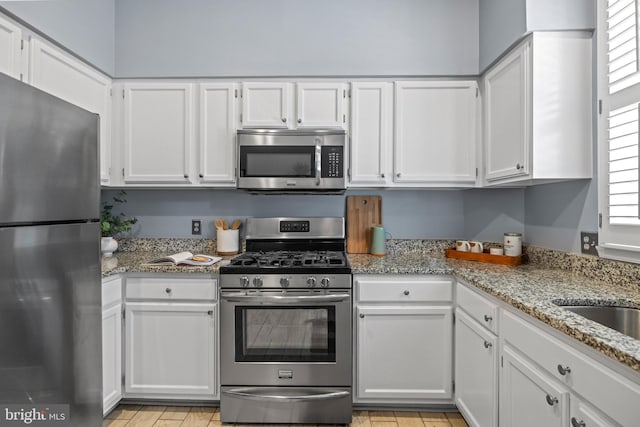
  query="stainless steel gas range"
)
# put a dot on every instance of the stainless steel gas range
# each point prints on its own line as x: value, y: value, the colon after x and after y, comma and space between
x: 286, y: 324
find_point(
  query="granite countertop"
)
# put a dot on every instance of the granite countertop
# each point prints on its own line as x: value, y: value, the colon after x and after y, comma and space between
x: 532, y: 289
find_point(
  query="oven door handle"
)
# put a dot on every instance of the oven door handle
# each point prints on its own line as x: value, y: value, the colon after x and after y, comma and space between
x: 261, y: 394
x: 280, y: 299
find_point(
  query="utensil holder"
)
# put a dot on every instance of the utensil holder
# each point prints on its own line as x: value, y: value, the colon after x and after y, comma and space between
x: 227, y: 242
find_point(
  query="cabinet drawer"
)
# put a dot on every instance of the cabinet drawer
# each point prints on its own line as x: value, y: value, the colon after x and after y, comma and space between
x: 171, y: 288
x: 607, y: 390
x: 394, y: 289
x: 478, y: 307
x: 111, y: 290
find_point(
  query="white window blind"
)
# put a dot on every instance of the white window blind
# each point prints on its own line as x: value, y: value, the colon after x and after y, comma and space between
x: 623, y: 165
x: 622, y: 52
x: 619, y: 129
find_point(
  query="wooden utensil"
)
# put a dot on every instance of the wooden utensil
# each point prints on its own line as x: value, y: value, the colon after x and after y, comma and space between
x: 363, y: 212
x: 236, y: 224
x: 219, y: 223
x: 225, y: 224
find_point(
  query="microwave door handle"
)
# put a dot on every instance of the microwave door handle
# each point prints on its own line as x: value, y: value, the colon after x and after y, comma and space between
x: 318, y: 161
x: 280, y: 299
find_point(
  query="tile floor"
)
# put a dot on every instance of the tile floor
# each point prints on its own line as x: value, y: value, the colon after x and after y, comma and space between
x: 184, y: 416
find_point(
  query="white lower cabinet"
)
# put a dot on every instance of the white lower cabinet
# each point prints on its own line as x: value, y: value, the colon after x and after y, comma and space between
x: 403, y: 340
x: 528, y: 397
x: 111, y: 342
x: 476, y: 375
x: 170, y: 346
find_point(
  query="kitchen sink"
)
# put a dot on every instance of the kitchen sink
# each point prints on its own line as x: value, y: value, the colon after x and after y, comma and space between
x: 625, y: 320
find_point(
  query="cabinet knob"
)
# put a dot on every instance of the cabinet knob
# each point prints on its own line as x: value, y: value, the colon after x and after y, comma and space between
x: 487, y: 344
x: 487, y: 318
x: 564, y: 370
x: 284, y: 120
x: 576, y: 423
x: 398, y: 174
x: 382, y: 175
x: 406, y: 292
x: 518, y: 167
x: 362, y: 315
x: 168, y: 290
x: 201, y: 176
x: 210, y: 312
x: 551, y: 400
x: 299, y: 120
x: 186, y: 176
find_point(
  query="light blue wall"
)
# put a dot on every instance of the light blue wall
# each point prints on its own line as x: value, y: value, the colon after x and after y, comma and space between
x: 170, y: 38
x: 501, y: 23
x: 84, y: 27
x: 406, y: 214
x: 560, y: 14
x: 491, y: 212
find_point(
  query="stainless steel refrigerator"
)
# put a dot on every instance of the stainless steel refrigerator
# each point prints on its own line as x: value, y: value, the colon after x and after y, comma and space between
x: 50, y: 296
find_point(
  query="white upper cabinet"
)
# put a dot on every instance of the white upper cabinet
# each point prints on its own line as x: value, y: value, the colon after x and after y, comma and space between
x: 371, y: 134
x: 321, y: 105
x: 271, y: 105
x: 538, y: 109
x: 265, y: 105
x: 66, y: 77
x: 435, y: 133
x: 218, y: 122
x: 10, y: 48
x: 157, y: 127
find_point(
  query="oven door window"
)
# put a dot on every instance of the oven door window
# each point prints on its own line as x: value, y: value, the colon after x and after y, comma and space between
x: 285, y: 334
x: 275, y: 162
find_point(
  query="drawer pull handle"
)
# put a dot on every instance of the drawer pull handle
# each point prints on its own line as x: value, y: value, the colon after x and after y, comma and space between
x: 362, y: 315
x: 487, y: 318
x: 551, y: 400
x: 168, y: 290
x: 406, y: 292
x: 576, y: 423
x: 564, y: 370
x: 487, y: 344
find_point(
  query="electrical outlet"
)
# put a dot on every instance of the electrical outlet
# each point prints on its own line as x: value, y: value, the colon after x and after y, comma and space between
x: 196, y: 226
x: 588, y: 243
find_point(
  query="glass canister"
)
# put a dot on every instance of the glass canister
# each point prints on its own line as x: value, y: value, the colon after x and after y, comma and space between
x: 513, y: 244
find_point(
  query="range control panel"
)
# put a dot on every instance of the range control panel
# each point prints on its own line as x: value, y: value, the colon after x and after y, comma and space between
x: 294, y: 226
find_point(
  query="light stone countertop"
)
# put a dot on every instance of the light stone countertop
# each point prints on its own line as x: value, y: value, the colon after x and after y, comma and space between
x: 532, y: 288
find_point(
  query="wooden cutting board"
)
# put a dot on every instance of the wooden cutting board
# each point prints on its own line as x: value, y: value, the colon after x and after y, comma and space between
x: 363, y: 212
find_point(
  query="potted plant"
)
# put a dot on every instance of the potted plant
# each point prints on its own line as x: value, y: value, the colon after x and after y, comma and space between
x: 113, y: 224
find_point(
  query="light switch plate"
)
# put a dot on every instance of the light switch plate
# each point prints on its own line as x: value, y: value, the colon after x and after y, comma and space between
x: 588, y: 243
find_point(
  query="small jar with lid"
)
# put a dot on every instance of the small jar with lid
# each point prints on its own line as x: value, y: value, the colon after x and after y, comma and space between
x: 513, y: 244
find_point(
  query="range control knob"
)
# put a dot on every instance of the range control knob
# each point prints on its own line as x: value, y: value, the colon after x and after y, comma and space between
x: 311, y: 281
x: 284, y: 282
x: 257, y: 282
x: 325, y: 282
x: 244, y: 281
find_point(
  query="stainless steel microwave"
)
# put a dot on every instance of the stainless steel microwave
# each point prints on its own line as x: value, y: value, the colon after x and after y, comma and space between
x: 291, y: 160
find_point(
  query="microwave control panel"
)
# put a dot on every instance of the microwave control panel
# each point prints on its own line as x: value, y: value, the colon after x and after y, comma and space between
x: 332, y: 162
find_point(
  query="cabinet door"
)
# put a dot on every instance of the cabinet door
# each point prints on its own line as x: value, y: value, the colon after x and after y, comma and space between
x: 435, y: 133
x: 476, y: 361
x: 404, y: 352
x: 10, y: 48
x: 529, y: 398
x: 217, y: 133
x: 66, y: 77
x: 584, y: 415
x: 170, y: 350
x: 321, y: 105
x: 111, y: 356
x: 507, y: 116
x: 371, y: 134
x: 157, y: 132
x: 265, y: 105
